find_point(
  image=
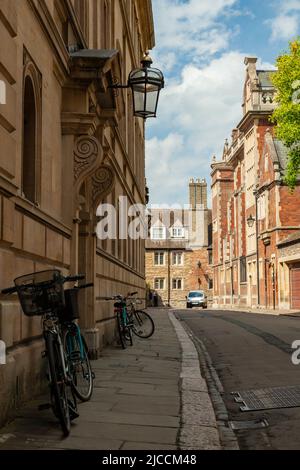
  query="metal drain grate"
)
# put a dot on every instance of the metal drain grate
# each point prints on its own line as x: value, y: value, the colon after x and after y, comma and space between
x: 268, y: 398
x: 245, y: 425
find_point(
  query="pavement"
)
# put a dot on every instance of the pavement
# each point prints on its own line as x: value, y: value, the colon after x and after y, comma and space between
x: 151, y: 396
x: 261, y: 310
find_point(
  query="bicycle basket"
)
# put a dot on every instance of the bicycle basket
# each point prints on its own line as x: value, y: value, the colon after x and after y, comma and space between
x: 71, y: 310
x: 40, y: 292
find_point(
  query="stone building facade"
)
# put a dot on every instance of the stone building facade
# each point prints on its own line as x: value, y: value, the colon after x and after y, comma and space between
x: 178, y: 252
x: 253, y: 211
x: 68, y: 142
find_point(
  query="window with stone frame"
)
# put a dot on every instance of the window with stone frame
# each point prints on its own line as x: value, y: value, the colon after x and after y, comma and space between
x: 32, y: 130
x: 159, y: 283
x: 177, y: 232
x: 177, y: 258
x: 243, y: 269
x: 105, y: 24
x: 177, y: 283
x: 159, y: 258
x: 158, y: 233
x: 81, y: 10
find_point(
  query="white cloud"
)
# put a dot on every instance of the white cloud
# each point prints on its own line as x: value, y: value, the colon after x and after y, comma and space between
x: 290, y: 5
x: 202, y: 99
x: 192, y: 27
x: 196, y: 114
x: 286, y: 25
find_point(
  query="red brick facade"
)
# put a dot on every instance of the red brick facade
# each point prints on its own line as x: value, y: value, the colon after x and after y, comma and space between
x: 248, y: 183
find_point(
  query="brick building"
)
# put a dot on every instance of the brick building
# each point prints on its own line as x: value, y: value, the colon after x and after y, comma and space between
x: 178, y: 253
x: 255, y: 217
x: 67, y: 143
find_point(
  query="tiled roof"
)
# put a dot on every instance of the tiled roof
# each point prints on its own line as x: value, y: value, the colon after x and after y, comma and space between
x: 265, y: 78
x: 173, y: 244
x: 294, y: 237
x: 282, y: 153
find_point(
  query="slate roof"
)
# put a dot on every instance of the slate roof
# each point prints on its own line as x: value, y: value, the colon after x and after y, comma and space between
x: 282, y: 153
x: 265, y: 78
x: 294, y: 237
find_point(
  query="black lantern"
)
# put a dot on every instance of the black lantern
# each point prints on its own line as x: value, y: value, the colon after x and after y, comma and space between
x: 250, y: 221
x: 146, y: 83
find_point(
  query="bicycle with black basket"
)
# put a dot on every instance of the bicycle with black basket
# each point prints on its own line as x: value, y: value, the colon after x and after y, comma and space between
x: 42, y: 294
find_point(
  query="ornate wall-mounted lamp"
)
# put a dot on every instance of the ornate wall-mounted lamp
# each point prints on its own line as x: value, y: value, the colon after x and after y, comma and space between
x: 146, y: 84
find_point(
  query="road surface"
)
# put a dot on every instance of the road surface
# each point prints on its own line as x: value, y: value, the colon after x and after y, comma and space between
x: 252, y: 351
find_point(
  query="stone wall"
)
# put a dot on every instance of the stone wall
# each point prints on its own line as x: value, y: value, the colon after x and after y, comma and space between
x: 80, y: 128
x: 193, y: 277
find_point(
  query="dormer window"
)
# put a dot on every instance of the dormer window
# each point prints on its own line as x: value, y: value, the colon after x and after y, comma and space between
x: 158, y: 233
x: 177, y: 232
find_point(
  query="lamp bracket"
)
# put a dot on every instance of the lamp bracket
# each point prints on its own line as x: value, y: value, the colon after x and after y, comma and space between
x: 118, y: 86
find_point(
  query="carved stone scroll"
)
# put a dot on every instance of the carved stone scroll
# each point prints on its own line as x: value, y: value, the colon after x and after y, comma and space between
x: 87, y: 157
x: 102, y: 183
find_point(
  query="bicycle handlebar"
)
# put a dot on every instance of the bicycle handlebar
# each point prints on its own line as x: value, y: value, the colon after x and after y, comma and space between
x: 114, y: 297
x: 9, y: 290
x: 119, y: 296
x: 85, y: 286
x: 77, y: 277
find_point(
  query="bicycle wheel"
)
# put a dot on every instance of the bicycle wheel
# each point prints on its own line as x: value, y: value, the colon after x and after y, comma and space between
x: 79, y: 364
x: 57, y: 384
x: 143, y: 325
x: 128, y: 334
x: 121, y: 330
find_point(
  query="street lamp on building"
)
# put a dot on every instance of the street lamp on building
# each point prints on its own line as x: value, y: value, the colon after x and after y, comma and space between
x: 145, y: 83
x: 250, y: 222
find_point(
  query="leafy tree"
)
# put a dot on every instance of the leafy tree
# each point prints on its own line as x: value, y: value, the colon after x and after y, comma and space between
x: 287, y: 114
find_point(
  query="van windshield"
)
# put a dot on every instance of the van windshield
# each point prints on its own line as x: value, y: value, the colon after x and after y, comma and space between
x: 195, y: 294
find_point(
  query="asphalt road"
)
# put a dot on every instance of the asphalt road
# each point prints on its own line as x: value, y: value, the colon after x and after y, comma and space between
x: 252, y: 351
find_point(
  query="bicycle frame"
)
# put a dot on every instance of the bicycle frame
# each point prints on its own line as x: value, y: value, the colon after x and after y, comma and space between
x: 70, y: 344
x: 50, y: 327
x: 125, y: 315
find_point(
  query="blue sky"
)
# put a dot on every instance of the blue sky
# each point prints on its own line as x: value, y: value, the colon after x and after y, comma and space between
x: 200, y: 47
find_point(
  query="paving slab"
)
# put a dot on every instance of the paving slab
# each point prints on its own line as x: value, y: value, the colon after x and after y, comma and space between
x: 136, y: 404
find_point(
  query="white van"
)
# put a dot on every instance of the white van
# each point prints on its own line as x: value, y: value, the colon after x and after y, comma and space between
x: 196, y: 298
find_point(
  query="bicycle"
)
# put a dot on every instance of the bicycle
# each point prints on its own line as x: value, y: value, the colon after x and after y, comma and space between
x: 142, y: 324
x: 42, y: 294
x: 123, y: 322
x: 75, y: 346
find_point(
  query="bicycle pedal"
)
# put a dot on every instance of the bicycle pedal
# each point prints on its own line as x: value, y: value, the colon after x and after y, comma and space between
x: 45, y: 406
x: 93, y: 375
